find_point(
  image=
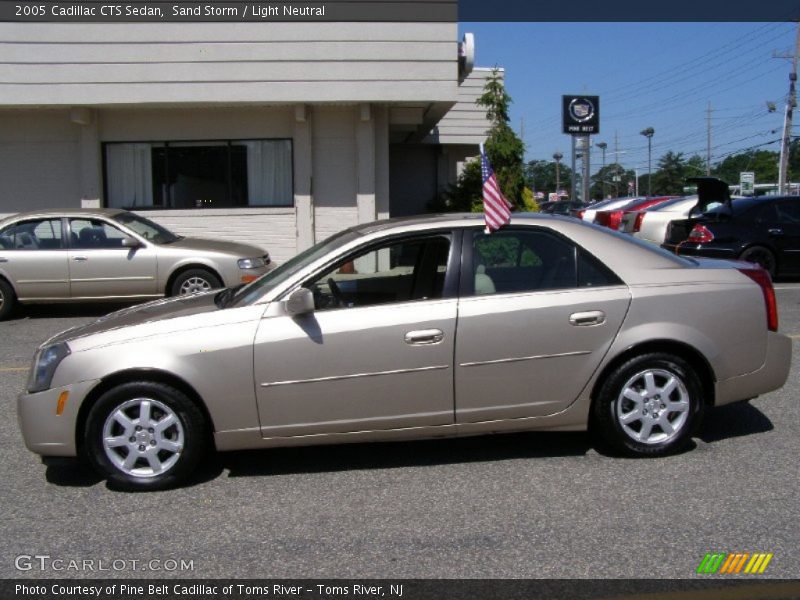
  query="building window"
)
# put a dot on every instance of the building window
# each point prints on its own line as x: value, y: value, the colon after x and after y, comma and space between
x: 205, y: 174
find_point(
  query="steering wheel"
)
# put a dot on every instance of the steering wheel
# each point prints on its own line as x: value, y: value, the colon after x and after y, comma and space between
x: 336, y: 291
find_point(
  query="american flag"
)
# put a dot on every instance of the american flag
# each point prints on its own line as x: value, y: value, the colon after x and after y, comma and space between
x: 496, y: 209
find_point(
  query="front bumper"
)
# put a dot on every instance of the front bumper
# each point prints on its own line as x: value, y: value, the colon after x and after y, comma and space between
x: 46, y: 432
x: 770, y: 376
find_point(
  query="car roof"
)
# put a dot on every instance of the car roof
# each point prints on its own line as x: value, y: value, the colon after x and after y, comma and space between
x: 451, y: 220
x: 67, y: 212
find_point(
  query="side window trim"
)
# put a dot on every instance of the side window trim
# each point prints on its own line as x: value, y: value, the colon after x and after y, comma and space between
x: 40, y: 220
x: 466, y: 287
x: 452, y: 272
x: 91, y: 220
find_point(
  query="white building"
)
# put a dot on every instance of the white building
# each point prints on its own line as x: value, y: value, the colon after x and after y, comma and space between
x: 277, y: 134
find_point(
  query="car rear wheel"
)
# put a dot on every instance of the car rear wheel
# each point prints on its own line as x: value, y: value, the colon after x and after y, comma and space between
x: 648, y: 406
x: 761, y: 256
x: 8, y: 299
x: 145, y: 436
x: 195, y: 281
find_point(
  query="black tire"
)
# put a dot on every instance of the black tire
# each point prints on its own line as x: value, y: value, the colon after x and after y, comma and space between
x: 184, y: 443
x: 193, y: 281
x: 8, y: 299
x: 762, y: 256
x: 611, y: 405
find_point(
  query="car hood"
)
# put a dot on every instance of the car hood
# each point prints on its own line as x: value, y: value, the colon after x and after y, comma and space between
x: 204, y: 245
x: 149, y: 313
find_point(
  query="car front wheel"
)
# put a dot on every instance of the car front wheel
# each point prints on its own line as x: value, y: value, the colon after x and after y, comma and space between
x: 7, y: 299
x: 648, y: 406
x: 145, y: 436
x: 195, y: 281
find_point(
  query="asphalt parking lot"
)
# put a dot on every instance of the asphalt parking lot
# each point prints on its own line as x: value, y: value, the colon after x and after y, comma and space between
x: 539, y: 505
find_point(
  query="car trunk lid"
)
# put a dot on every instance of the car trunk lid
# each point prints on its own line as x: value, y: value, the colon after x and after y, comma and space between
x: 710, y: 192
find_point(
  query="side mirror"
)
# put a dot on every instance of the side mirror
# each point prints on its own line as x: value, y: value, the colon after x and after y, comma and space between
x: 129, y: 242
x: 299, y: 302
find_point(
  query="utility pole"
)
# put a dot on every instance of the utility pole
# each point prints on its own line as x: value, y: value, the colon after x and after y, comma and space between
x: 708, y: 148
x: 602, y: 146
x: 572, y: 192
x: 783, y: 165
x: 587, y: 178
x: 616, y: 164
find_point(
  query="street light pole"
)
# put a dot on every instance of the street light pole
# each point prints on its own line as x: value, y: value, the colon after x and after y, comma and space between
x: 603, y: 146
x: 557, y: 156
x: 648, y: 133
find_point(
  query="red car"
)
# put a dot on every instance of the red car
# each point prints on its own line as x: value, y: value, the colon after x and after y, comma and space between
x: 613, y: 218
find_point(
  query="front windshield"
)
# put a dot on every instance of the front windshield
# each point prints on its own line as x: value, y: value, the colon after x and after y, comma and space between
x: 253, y: 291
x: 150, y: 231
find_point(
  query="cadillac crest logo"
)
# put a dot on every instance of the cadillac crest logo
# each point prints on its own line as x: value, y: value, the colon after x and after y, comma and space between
x: 581, y: 115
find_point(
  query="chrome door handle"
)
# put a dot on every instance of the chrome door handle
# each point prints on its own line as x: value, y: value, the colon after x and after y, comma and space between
x: 775, y: 231
x: 3, y: 259
x: 585, y: 319
x: 424, y: 337
x: 80, y: 258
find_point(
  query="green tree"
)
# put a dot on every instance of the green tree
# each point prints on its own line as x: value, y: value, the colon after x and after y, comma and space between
x: 696, y: 166
x: 540, y: 176
x: 764, y: 163
x: 616, y: 180
x: 504, y: 149
x: 670, y: 177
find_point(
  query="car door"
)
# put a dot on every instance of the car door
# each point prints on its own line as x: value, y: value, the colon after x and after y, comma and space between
x: 377, y: 351
x: 33, y: 257
x: 536, y: 316
x: 786, y: 234
x: 101, y: 267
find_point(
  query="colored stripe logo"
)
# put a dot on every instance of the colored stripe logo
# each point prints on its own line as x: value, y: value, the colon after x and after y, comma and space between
x: 723, y: 563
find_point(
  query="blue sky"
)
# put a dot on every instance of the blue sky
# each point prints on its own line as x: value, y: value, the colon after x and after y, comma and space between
x: 659, y: 75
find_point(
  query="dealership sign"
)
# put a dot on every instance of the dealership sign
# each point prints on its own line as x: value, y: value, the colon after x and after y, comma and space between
x: 747, y: 181
x: 581, y: 114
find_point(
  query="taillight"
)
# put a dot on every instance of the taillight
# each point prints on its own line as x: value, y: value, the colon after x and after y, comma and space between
x: 637, y: 224
x: 614, y: 219
x: 762, y: 278
x: 701, y: 235
x: 579, y: 213
x: 608, y: 218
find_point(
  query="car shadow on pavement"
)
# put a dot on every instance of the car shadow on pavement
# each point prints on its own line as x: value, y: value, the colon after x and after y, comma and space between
x: 733, y: 420
x: 721, y: 423
x: 70, y: 472
x: 392, y: 455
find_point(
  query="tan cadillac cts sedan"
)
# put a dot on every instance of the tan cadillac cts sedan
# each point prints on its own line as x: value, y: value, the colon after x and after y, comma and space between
x: 414, y: 328
x: 112, y: 254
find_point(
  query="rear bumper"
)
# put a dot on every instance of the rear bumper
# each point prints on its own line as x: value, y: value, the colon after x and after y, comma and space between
x: 771, y: 376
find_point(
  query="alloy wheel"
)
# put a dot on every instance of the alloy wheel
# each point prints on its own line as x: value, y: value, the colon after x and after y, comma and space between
x: 195, y: 285
x: 143, y: 437
x: 653, y: 407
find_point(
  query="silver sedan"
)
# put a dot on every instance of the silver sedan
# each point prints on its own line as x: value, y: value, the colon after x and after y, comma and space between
x: 414, y: 328
x: 108, y: 254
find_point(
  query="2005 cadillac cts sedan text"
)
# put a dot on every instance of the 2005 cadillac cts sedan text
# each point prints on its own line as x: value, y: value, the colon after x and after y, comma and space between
x: 414, y: 328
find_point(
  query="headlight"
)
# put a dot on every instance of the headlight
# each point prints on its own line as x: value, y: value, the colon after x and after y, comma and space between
x: 45, y: 362
x: 253, y: 263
